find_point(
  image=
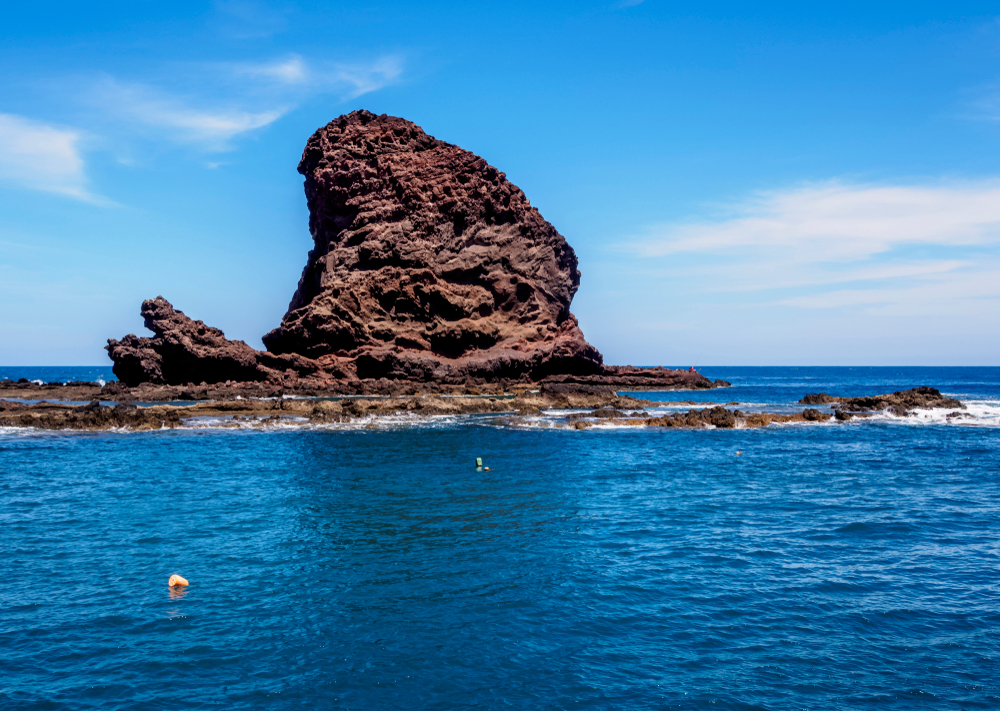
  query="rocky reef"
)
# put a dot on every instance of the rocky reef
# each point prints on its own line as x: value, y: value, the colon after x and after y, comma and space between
x: 428, y: 266
x: 901, y: 403
x: 257, y: 404
x: 520, y: 410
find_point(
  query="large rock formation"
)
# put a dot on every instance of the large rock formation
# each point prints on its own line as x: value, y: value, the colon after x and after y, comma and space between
x: 428, y: 263
x: 429, y: 266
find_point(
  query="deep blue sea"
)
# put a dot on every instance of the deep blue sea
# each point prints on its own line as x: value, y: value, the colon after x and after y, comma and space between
x: 372, y: 566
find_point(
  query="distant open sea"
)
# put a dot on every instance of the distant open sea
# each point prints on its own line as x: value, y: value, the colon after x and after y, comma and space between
x: 371, y: 566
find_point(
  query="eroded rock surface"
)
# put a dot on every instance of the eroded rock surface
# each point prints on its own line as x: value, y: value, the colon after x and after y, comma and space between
x: 187, y: 351
x: 428, y: 263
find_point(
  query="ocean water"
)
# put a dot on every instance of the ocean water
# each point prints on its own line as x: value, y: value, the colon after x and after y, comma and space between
x: 58, y: 373
x: 828, y: 567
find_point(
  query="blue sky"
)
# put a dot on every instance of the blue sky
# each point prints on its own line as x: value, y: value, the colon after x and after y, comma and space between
x: 769, y: 184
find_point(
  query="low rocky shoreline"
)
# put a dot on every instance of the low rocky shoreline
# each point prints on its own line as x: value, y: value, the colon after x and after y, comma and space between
x: 52, y: 407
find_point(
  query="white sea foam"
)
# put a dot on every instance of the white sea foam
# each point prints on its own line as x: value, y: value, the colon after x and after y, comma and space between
x: 370, y: 422
x: 219, y: 422
x: 100, y: 381
x: 978, y: 413
x: 706, y: 406
x: 393, y: 421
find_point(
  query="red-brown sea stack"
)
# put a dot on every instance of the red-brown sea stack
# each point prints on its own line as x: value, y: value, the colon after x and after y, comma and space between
x: 428, y: 266
x: 428, y: 263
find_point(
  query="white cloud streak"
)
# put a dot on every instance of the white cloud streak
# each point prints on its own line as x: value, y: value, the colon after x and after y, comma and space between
x: 844, y: 222
x: 348, y: 80
x: 290, y: 70
x: 272, y: 88
x: 38, y: 156
x: 901, y: 246
x: 365, y: 78
x: 212, y: 128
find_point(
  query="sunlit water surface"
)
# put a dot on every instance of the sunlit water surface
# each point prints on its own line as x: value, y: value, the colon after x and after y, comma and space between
x: 827, y: 567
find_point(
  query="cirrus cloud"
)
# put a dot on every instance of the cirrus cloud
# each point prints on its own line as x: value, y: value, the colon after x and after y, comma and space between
x: 40, y: 156
x: 212, y: 127
x: 212, y: 105
x: 904, y: 249
x: 843, y: 223
x: 349, y: 80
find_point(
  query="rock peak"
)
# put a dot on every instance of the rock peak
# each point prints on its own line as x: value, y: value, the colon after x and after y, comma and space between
x: 427, y: 263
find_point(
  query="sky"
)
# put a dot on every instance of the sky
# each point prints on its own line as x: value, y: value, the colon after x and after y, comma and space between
x: 743, y: 183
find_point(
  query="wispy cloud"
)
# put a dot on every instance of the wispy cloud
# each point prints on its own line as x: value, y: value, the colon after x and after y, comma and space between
x: 347, y: 80
x: 289, y: 70
x: 38, y: 156
x: 888, y: 244
x: 211, y: 127
x: 244, y: 19
x: 212, y: 105
x: 845, y: 222
x: 982, y: 104
x: 365, y: 78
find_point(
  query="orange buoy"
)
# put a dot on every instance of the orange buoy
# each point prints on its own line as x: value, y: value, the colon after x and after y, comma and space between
x: 177, y: 581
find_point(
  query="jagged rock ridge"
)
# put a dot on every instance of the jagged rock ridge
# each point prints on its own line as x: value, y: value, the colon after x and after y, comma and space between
x: 184, y: 350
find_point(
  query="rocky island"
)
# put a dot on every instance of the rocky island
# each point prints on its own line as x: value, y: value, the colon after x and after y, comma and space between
x: 429, y: 268
x: 433, y: 288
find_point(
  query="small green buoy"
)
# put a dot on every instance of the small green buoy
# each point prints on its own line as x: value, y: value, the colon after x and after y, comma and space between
x: 479, y: 461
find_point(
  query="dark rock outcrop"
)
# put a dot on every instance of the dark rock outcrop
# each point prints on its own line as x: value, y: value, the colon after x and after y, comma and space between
x: 632, y: 378
x: 818, y: 399
x: 187, y: 351
x: 428, y: 267
x: 182, y: 350
x: 722, y: 418
x: 900, y: 403
x: 57, y: 416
